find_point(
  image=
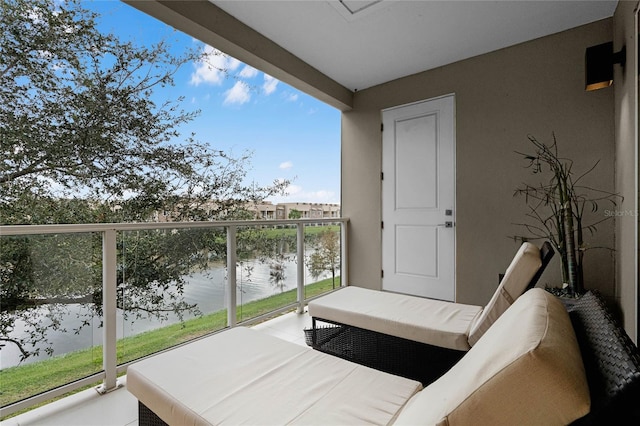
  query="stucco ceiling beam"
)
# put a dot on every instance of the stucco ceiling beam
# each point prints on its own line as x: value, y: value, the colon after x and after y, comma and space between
x: 210, y: 24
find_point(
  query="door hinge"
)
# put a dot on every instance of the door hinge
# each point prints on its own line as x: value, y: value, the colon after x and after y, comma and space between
x: 382, y: 224
x: 382, y: 127
x: 382, y: 273
x: 381, y: 175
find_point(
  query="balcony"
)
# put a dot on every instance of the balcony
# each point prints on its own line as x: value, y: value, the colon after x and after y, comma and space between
x: 503, y: 95
x: 252, y: 271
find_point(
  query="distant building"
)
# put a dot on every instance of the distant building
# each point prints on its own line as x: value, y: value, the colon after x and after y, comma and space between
x: 266, y: 210
x: 308, y: 210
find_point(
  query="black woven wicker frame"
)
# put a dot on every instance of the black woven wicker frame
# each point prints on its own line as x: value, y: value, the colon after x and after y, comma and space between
x: 146, y: 417
x: 611, y: 362
x: 392, y: 354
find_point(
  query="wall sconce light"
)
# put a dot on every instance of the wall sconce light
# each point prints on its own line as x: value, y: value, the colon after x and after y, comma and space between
x: 599, y: 62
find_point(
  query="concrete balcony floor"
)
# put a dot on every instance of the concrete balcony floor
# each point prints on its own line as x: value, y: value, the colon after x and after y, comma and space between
x: 120, y: 408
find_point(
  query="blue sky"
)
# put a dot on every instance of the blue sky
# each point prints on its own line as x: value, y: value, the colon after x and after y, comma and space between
x: 291, y: 135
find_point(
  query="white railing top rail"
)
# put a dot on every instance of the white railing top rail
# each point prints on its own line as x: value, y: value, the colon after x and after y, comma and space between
x: 6, y: 230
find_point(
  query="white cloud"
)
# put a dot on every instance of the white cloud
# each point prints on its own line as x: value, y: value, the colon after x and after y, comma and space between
x: 297, y: 194
x: 286, y: 165
x: 248, y: 72
x: 293, y: 190
x: 321, y: 196
x: 213, y: 67
x: 270, y: 84
x: 238, y: 94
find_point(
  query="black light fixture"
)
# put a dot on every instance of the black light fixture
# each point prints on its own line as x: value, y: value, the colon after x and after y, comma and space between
x: 599, y: 62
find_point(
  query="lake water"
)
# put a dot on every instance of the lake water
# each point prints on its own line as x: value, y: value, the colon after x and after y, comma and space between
x: 206, y: 289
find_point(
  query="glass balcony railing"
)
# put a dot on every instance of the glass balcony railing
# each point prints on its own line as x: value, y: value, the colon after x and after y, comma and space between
x: 80, y: 302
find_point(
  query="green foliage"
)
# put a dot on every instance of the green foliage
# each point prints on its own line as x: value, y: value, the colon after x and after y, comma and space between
x: 326, y: 256
x: 556, y: 209
x: 39, y: 276
x: 83, y: 141
x: 78, y: 119
x: 295, y: 214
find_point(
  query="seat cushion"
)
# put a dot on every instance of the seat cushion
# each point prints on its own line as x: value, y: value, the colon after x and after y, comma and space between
x: 523, y: 268
x: 434, y: 322
x: 243, y: 376
x: 526, y: 370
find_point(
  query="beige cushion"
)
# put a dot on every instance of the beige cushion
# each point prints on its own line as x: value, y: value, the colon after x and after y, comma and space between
x: 243, y: 376
x: 526, y: 370
x: 435, y: 322
x: 523, y: 267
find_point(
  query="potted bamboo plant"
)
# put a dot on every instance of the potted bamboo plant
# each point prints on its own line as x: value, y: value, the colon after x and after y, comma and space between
x: 556, y: 208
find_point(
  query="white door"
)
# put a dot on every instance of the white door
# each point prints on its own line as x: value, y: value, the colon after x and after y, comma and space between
x: 418, y: 199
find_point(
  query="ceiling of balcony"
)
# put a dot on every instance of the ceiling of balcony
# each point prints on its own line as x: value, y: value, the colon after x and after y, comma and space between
x: 362, y: 43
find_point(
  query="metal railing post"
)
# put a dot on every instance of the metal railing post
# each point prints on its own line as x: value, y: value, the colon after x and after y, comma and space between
x: 300, y: 266
x: 231, y: 276
x: 109, y: 309
x: 344, y: 265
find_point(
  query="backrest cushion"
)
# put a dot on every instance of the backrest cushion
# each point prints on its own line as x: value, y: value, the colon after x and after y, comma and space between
x: 520, y: 272
x: 526, y: 370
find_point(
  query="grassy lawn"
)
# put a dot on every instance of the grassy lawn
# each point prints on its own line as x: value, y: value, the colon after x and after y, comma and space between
x: 20, y: 382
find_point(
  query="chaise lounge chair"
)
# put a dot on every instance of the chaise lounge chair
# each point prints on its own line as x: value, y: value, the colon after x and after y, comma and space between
x: 412, y: 336
x: 526, y: 369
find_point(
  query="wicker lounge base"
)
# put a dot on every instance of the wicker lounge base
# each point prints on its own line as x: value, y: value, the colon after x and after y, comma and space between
x: 611, y: 361
x: 147, y: 417
x: 395, y: 355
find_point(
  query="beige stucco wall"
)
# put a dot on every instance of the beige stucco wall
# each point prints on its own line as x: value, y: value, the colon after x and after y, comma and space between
x: 534, y: 88
x: 626, y: 167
